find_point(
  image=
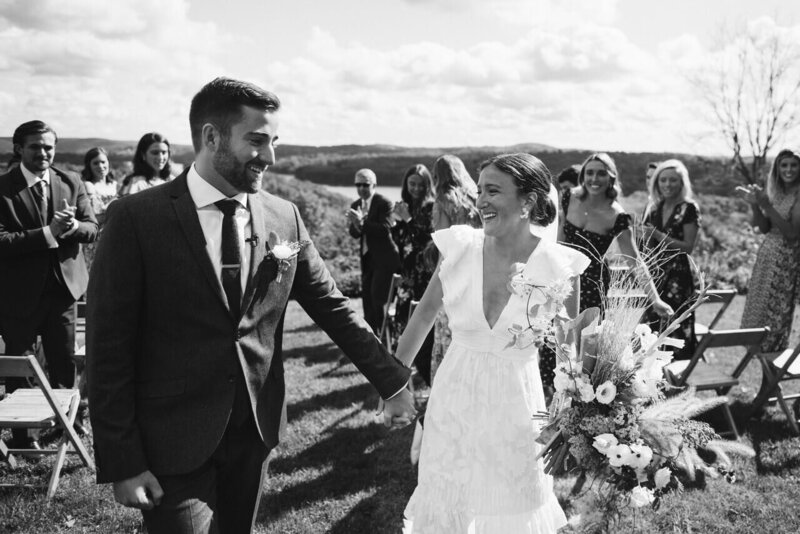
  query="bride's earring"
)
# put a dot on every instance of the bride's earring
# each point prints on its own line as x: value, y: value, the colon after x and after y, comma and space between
x: 524, y: 214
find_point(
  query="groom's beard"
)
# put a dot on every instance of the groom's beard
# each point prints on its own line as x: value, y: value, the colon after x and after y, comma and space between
x: 240, y: 175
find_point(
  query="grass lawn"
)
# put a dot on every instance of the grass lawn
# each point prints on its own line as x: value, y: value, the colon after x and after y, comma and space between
x: 339, y: 471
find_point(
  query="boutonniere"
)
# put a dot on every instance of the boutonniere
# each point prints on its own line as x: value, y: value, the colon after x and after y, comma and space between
x: 283, y: 252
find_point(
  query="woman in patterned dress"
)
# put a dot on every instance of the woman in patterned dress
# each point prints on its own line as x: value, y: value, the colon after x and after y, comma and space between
x: 772, y: 291
x: 591, y: 220
x: 101, y: 187
x: 151, y: 164
x: 671, y: 225
x: 412, y: 231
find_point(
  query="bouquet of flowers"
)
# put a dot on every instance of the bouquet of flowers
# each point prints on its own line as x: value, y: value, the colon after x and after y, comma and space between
x: 610, y: 419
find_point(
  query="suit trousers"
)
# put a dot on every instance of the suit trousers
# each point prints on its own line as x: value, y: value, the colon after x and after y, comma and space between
x: 219, y: 497
x: 375, y: 283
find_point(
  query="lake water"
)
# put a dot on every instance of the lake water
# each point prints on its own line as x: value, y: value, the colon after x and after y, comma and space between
x: 390, y: 192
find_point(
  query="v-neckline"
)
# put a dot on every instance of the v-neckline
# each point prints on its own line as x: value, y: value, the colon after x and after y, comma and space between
x: 510, y: 294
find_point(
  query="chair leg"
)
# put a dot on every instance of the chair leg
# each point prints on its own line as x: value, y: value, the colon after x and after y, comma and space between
x: 729, y: 417
x: 7, y: 456
x: 789, y: 413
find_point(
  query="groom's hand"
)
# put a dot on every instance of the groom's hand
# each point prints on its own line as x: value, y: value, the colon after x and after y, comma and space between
x: 142, y: 491
x: 399, y: 411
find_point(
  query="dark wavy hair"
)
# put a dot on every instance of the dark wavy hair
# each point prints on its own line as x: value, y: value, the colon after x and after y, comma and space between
x: 86, y: 173
x: 141, y: 167
x: 613, y: 189
x: 220, y: 103
x: 31, y: 128
x: 532, y: 178
x: 423, y: 172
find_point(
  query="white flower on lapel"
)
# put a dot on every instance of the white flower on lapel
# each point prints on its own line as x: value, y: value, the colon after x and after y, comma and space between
x: 283, y: 252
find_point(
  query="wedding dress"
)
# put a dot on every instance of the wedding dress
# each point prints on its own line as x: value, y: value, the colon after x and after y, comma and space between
x: 477, y: 470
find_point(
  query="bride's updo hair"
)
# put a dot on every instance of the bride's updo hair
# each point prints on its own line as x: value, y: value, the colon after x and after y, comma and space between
x: 532, y: 179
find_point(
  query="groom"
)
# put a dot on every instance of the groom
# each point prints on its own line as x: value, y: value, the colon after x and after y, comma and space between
x: 185, y: 317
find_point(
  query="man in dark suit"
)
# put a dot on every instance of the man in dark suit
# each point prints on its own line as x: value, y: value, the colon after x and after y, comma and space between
x: 185, y: 317
x: 45, y: 215
x: 371, y: 223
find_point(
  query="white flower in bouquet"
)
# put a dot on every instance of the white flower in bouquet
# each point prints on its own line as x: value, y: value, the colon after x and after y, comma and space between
x: 562, y: 381
x: 653, y: 365
x: 662, y: 477
x: 640, y: 456
x: 619, y: 455
x: 585, y: 389
x: 606, y: 392
x: 641, y: 496
x: 646, y: 336
x: 560, y: 290
x: 643, y: 386
x: 604, y: 442
x: 627, y: 360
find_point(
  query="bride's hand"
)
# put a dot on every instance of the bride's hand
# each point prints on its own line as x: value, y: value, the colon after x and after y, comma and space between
x: 399, y: 411
x: 663, y: 309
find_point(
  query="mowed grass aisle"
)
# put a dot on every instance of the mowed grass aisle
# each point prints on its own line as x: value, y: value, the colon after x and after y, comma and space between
x: 339, y: 471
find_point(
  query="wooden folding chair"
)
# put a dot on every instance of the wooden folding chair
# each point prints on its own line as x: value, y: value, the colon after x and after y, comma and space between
x: 703, y: 375
x: 388, y: 332
x: 41, y: 407
x: 411, y: 307
x: 779, y: 367
x: 715, y: 296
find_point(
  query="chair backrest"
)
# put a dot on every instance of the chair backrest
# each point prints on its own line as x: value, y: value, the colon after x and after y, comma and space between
x: 719, y: 296
x: 745, y: 337
x: 18, y: 367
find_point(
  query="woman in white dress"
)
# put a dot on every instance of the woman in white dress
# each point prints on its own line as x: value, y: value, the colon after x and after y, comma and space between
x: 478, y: 472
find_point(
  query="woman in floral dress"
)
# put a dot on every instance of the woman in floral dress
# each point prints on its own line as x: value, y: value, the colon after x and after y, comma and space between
x: 671, y: 225
x: 101, y: 187
x: 591, y: 220
x: 772, y: 291
x: 412, y: 231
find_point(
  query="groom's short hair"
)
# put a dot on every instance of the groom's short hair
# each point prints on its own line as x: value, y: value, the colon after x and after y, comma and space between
x: 220, y: 103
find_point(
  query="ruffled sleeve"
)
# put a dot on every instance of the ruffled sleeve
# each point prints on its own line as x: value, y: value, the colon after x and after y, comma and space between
x: 691, y: 213
x: 453, y: 244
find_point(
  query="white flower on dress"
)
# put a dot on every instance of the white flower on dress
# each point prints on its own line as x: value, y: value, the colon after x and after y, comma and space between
x: 606, y: 392
x: 641, y: 496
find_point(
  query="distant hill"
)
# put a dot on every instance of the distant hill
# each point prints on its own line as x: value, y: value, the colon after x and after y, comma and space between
x: 336, y: 165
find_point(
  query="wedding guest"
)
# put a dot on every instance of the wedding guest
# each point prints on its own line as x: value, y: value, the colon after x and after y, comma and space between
x: 370, y: 221
x: 455, y: 204
x: 671, y: 226
x: 102, y: 188
x: 591, y: 219
x: 773, y: 287
x: 45, y: 217
x: 151, y: 164
x: 479, y: 471
x: 568, y: 178
x: 412, y: 233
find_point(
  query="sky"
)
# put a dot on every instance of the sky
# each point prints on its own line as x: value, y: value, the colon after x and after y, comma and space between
x: 589, y: 74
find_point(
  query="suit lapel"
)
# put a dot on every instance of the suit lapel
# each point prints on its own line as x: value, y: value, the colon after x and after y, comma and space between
x: 258, y: 226
x: 186, y: 211
x: 26, y: 197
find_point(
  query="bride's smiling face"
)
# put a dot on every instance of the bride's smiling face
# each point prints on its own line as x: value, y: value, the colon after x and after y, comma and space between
x: 500, y: 203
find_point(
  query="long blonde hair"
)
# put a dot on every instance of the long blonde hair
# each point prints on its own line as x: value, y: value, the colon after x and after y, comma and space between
x: 656, y: 196
x: 774, y: 183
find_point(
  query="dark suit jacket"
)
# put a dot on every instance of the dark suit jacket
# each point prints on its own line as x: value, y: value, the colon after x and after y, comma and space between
x: 164, y: 350
x: 377, y: 233
x: 24, y: 254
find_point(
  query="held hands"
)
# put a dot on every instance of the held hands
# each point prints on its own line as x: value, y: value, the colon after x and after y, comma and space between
x: 398, y: 411
x: 63, y: 219
x: 142, y: 491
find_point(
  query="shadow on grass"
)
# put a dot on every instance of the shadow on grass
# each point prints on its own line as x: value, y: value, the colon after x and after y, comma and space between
x: 361, y: 395
x: 361, y: 461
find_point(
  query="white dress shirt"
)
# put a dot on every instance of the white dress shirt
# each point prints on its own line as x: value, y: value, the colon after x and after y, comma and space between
x: 204, y: 196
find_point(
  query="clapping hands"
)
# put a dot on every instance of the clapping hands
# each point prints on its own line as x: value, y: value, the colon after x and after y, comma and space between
x: 355, y: 216
x: 63, y: 219
x: 753, y: 194
x: 401, y: 212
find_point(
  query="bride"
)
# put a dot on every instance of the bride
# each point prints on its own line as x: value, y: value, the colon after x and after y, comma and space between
x: 477, y: 470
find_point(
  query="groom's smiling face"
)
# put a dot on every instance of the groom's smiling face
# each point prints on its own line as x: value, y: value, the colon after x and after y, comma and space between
x: 245, y: 154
